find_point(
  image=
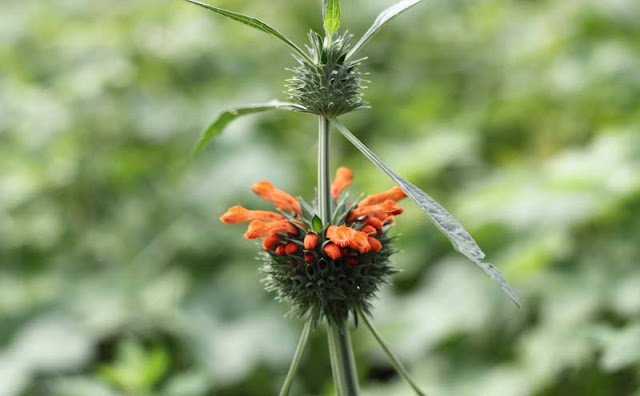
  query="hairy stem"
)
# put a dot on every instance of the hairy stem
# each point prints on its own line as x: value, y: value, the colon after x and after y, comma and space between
x: 297, y: 356
x: 343, y: 365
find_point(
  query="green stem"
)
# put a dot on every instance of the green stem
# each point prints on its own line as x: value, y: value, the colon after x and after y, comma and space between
x: 392, y: 358
x: 324, y: 176
x: 343, y: 363
x: 297, y: 356
x: 343, y: 366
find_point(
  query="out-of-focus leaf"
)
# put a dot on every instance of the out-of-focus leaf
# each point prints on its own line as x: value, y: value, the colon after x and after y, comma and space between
x: 331, y: 16
x: 225, y: 117
x: 383, y: 18
x: 254, y: 23
x: 462, y: 241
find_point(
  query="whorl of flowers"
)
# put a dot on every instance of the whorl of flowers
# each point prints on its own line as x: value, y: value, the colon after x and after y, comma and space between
x: 330, y: 270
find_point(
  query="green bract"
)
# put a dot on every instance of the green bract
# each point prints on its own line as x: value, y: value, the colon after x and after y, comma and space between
x: 331, y: 85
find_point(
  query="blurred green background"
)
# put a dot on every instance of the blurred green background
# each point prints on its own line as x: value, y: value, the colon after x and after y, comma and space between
x: 117, y: 278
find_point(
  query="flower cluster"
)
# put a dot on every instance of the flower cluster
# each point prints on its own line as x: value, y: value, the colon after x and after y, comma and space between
x: 323, y: 270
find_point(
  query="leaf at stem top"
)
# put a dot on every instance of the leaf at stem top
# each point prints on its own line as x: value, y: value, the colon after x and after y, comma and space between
x: 462, y: 241
x: 331, y: 16
x: 383, y: 18
x: 254, y: 23
x: 225, y: 117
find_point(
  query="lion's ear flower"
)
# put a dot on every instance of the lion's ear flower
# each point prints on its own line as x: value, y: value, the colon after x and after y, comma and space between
x: 282, y: 200
x: 326, y: 272
x: 260, y: 229
x: 344, y: 177
x: 238, y: 214
x: 395, y: 194
x: 388, y: 207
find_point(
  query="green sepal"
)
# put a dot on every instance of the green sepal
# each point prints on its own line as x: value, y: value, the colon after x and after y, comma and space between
x: 316, y: 223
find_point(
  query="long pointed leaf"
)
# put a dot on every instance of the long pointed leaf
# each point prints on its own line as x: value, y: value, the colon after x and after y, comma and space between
x: 254, y: 23
x: 225, y: 117
x: 395, y: 362
x: 462, y: 241
x: 383, y: 18
x: 331, y: 16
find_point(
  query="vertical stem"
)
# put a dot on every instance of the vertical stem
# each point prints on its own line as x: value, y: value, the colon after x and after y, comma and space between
x: 324, y: 178
x: 343, y: 365
x: 302, y: 344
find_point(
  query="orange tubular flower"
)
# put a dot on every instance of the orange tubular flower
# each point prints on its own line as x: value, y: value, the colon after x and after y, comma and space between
x: 270, y: 241
x: 389, y: 206
x: 310, y: 241
x: 394, y: 194
x: 280, y: 199
x: 259, y: 229
x: 333, y: 251
x: 344, y: 177
x: 238, y: 214
x: 344, y: 236
x: 375, y: 244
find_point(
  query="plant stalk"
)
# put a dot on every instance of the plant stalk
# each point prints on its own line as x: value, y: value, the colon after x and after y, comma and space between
x: 343, y: 365
x: 297, y: 356
x: 395, y: 362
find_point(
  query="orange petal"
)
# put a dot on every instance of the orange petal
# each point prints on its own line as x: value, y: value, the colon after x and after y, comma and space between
x: 270, y: 241
x: 259, y: 229
x: 310, y: 241
x: 374, y: 221
x: 394, y: 194
x: 369, y: 230
x: 387, y: 207
x: 376, y: 246
x: 344, y: 236
x: 238, y: 214
x: 344, y: 177
x: 280, y: 199
x: 291, y: 248
x: 332, y: 250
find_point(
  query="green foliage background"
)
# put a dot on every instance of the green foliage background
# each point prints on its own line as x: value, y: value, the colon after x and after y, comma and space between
x: 116, y: 277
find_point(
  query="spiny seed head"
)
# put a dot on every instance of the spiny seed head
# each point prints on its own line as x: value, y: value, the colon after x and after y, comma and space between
x: 332, y: 85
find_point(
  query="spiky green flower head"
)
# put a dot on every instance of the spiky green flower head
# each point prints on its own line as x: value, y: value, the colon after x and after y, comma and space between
x: 331, y: 85
x: 324, y: 271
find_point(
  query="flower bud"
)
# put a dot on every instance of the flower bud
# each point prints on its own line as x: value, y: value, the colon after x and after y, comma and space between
x: 310, y: 241
x: 333, y: 251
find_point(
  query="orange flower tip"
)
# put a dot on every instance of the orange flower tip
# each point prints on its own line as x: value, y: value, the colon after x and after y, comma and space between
x: 393, y: 194
x: 333, y: 251
x: 309, y: 258
x: 280, y: 250
x: 375, y: 244
x: 294, y: 263
x: 369, y: 230
x: 344, y: 177
x: 280, y: 199
x: 374, y: 222
x: 270, y: 241
x: 310, y: 241
x: 291, y: 248
x: 353, y: 261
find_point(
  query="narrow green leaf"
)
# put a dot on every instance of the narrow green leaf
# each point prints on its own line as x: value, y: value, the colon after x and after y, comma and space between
x: 331, y: 16
x: 225, y: 117
x: 462, y: 241
x: 395, y: 362
x: 316, y: 223
x: 383, y: 18
x: 254, y: 23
